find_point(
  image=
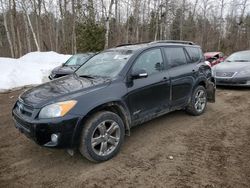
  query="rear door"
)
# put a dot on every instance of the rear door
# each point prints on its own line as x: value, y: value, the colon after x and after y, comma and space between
x: 182, y: 74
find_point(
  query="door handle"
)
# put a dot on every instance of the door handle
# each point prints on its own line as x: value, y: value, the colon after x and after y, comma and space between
x: 165, y: 78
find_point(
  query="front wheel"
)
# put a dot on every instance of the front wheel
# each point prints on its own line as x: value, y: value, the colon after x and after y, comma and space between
x: 198, y: 103
x: 102, y: 136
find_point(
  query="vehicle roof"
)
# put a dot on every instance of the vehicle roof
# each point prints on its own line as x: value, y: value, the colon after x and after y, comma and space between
x: 244, y: 51
x: 136, y: 47
x: 211, y: 54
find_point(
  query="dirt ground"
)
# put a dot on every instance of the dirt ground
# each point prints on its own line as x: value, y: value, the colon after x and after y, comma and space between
x: 212, y: 150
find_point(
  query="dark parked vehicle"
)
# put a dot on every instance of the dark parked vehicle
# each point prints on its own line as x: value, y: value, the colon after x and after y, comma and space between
x: 235, y: 70
x: 214, y: 58
x: 115, y: 90
x: 70, y: 65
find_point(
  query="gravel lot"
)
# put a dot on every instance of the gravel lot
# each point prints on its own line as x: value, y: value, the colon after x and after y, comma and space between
x: 176, y: 150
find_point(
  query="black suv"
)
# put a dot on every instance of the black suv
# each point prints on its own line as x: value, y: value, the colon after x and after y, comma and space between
x: 115, y: 90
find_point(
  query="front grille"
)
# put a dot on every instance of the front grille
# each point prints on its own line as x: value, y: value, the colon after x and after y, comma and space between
x: 22, y: 123
x: 231, y: 82
x: 24, y: 109
x: 225, y: 74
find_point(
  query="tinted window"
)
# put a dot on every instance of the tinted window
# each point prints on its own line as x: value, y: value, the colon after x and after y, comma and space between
x: 175, y: 56
x: 151, y: 61
x: 194, y: 53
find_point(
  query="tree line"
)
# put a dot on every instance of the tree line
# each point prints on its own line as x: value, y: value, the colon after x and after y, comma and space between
x: 73, y: 26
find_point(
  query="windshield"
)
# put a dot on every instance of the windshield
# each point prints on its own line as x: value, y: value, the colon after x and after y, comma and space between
x: 239, y: 56
x: 78, y: 59
x: 105, y: 64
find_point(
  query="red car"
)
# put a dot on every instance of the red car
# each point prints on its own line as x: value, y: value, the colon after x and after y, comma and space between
x: 214, y: 57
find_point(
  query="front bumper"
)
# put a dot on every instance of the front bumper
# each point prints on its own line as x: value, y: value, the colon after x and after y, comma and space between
x: 245, y: 82
x: 41, y: 130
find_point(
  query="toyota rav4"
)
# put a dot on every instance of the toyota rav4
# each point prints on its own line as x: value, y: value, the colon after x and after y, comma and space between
x: 94, y: 108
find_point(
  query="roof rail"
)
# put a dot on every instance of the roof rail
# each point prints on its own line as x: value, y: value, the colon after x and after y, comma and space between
x: 125, y: 44
x: 129, y: 44
x: 174, y: 41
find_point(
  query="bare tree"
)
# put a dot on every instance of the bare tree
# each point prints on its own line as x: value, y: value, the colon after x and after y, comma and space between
x: 73, y: 28
x: 156, y: 8
x: 107, y: 24
x: 27, y: 33
x: 56, y: 24
x: 30, y: 25
x: 3, y: 5
x: 205, y: 5
x: 194, y: 7
x: 183, y: 5
x: 222, y: 8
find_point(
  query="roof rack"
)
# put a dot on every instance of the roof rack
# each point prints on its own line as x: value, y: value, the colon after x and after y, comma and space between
x: 129, y: 44
x: 158, y: 41
x: 174, y: 41
x: 126, y: 44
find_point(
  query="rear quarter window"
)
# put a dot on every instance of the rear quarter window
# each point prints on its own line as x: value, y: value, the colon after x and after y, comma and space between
x: 195, y: 54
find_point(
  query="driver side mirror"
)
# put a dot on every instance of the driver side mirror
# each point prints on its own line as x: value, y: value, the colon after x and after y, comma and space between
x: 137, y: 74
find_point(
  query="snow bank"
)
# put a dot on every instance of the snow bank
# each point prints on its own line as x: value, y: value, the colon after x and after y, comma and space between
x: 30, y: 69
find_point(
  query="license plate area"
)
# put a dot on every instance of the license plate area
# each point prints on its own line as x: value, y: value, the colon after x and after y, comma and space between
x: 22, y: 129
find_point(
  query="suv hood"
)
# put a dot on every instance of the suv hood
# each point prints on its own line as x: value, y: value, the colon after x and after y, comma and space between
x: 59, y: 88
x: 232, y: 66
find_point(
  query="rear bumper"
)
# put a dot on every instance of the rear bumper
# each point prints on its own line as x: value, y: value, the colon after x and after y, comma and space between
x: 40, y: 131
x: 211, y: 88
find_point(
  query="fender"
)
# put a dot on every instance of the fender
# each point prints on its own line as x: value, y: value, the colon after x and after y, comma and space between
x: 116, y: 106
x: 209, y: 86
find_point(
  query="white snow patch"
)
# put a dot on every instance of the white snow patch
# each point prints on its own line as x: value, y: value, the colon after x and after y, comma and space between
x: 30, y: 69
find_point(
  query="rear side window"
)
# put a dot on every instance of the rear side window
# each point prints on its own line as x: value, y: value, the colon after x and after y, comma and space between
x: 175, y: 56
x: 194, y: 53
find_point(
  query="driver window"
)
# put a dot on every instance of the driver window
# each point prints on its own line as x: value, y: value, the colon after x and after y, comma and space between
x: 151, y: 61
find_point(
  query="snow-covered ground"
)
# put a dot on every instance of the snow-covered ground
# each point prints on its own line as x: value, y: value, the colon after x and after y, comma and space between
x: 30, y: 69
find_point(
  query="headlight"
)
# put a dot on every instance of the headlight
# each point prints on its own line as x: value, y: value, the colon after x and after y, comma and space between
x: 244, y: 73
x: 57, y: 110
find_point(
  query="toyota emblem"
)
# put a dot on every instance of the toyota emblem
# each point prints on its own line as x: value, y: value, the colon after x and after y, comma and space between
x: 20, y: 107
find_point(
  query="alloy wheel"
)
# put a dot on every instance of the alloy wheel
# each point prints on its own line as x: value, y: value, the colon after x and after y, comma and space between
x: 105, y: 137
x: 200, y: 100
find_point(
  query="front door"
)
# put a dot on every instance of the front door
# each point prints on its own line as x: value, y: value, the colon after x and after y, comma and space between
x: 149, y: 96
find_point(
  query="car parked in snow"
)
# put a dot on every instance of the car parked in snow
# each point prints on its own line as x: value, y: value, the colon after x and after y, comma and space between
x: 117, y: 89
x: 70, y: 65
x: 214, y: 58
x: 235, y: 70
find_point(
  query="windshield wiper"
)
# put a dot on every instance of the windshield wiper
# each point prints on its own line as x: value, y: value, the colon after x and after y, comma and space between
x: 91, y: 76
x: 241, y: 60
x: 86, y: 76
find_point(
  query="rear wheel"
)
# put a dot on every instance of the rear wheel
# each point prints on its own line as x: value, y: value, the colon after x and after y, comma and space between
x: 198, y: 103
x: 102, y: 136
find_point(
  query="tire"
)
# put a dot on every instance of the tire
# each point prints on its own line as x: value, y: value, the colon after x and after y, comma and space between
x: 196, y: 107
x: 98, y: 141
